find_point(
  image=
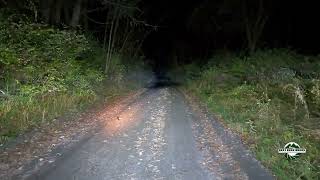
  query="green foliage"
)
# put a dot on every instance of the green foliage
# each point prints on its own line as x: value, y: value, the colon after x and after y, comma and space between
x: 271, y: 98
x: 46, y: 72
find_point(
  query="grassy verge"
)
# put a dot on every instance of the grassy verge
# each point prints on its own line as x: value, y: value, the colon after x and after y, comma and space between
x: 46, y: 72
x: 270, y: 98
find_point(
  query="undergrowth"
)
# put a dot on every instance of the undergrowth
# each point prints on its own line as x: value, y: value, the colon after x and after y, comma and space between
x: 270, y: 98
x: 46, y: 72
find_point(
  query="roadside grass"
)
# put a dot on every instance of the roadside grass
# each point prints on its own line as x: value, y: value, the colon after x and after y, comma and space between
x: 46, y: 72
x: 270, y: 98
x: 19, y: 113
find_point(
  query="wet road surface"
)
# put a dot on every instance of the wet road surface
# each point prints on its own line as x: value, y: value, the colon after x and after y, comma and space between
x: 158, y: 136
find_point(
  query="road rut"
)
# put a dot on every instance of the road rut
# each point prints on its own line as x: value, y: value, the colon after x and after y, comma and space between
x: 159, y: 136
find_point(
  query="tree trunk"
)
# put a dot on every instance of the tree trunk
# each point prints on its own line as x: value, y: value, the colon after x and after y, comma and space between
x: 57, y: 19
x: 46, y: 10
x: 106, y: 31
x: 76, y: 14
x: 126, y: 36
x: 109, y: 43
x: 115, y: 30
x: 66, y: 14
x: 254, y: 27
x: 85, y: 20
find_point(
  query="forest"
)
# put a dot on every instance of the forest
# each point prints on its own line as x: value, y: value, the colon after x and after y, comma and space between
x: 49, y: 56
x: 254, y: 64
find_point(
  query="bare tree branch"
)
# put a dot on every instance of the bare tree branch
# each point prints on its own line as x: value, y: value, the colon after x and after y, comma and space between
x: 121, y: 5
x: 144, y: 23
x: 97, y: 22
x: 96, y: 9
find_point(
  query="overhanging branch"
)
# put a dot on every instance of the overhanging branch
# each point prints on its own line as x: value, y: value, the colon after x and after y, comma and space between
x: 155, y: 27
x: 121, y: 5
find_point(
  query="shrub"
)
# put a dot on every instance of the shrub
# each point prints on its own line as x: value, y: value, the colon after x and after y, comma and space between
x: 271, y: 98
x: 44, y: 72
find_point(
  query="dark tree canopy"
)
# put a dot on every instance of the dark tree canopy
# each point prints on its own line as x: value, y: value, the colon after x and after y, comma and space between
x: 184, y: 28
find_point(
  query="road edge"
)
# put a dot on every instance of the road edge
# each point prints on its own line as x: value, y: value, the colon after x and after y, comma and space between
x: 201, y: 109
x: 24, y: 166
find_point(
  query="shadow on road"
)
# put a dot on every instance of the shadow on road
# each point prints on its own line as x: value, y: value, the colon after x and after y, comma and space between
x: 163, y: 81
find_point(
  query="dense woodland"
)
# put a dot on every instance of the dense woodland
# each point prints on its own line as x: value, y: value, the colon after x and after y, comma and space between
x: 183, y: 29
x: 116, y: 25
x: 50, y: 63
x: 252, y: 62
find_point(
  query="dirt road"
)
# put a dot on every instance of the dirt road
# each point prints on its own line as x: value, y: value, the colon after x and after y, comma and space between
x: 158, y: 136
